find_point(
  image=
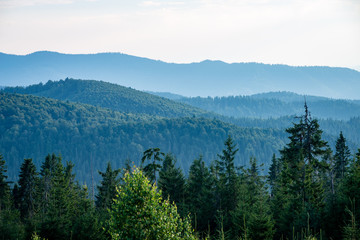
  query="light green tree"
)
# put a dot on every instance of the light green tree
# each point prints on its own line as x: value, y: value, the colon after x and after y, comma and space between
x: 139, y: 212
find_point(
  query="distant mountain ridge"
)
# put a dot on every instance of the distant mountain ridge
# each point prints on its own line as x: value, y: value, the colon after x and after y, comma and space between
x: 207, y: 78
x: 112, y: 96
x: 273, y: 105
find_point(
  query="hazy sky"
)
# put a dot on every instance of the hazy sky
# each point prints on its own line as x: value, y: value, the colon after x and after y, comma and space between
x: 294, y: 32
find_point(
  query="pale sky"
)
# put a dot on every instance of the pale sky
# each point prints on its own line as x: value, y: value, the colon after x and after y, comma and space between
x: 293, y: 32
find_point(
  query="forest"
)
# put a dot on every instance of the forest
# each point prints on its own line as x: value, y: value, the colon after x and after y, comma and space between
x: 83, y: 159
x: 310, y: 192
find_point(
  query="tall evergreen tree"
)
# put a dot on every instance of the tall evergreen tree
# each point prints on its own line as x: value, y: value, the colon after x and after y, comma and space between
x: 227, y: 182
x: 4, y: 185
x: 274, y: 172
x: 154, y: 166
x: 27, y: 192
x: 107, y: 188
x: 10, y: 224
x: 252, y: 218
x: 172, y: 183
x: 341, y: 156
x: 200, y: 192
x: 300, y: 191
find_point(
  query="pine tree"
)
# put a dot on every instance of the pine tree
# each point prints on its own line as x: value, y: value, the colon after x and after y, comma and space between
x: 61, y: 209
x: 300, y: 187
x: 341, y: 157
x: 172, y: 183
x: 200, y: 192
x: 227, y: 176
x: 10, y: 224
x: 27, y: 192
x: 107, y: 188
x: 274, y: 172
x: 153, y: 167
x: 4, y: 185
x: 252, y: 218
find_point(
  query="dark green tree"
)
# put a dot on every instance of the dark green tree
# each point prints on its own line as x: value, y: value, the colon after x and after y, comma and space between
x: 107, y: 188
x: 299, y: 192
x: 154, y: 155
x: 341, y: 157
x: 4, y: 185
x: 172, y: 183
x: 227, y: 182
x: 200, y: 193
x: 10, y: 224
x: 274, y: 172
x: 27, y: 193
x: 252, y: 218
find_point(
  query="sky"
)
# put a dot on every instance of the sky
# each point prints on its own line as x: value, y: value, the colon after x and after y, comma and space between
x: 293, y: 32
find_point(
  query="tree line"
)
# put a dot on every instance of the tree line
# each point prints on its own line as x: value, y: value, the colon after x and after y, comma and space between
x: 310, y: 192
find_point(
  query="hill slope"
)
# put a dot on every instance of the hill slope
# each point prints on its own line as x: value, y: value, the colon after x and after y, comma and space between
x: 276, y: 104
x: 111, y: 96
x: 207, y: 78
x: 32, y: 127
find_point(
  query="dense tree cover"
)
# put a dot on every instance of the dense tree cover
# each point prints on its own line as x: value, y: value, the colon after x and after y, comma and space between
x: 31, y: 127
x: 274, y: 105
x: 107, y: 95
x: 314, y: 194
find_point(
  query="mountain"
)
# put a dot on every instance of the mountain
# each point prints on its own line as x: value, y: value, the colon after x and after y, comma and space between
x: 276, y: 104
x: 89, y: 136
x: 207, y: 78
x: 108, y: 95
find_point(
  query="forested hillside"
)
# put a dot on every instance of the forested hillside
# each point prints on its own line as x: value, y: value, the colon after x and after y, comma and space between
x: 206, y: 78
x: 109, y: 95
x: 32, y: 127
x: 276, y: 104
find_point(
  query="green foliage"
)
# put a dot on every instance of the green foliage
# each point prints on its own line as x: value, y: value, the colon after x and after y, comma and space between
x: 4, y: 185
x: 111, y: 96
x: 154, y: 166
x: 172, y: 183
x: 139, y: 212
x: 201, y: 197
x: 299, y: 190
x: 252, y: 218
x: 341, y: 156
x: 274, y: 105
x: 227, y: 182
x: 27, y: 192
x: 107, y: 187
x: 91, y: 136
x: 10, y: 224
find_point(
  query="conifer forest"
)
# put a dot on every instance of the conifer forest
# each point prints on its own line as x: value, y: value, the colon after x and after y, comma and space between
x: 310, y: 190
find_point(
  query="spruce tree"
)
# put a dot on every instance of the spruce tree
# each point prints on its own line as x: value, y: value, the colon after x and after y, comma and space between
x: 172, y: 183
x: 27, y: 191
x: 227, y: 175
x: 252, y: 218
x: 154, y: 155
x: 10, y: 225
x: 107, y: 188
x: 201, y: 192
x: 341, y: 157
x: 299, y: 188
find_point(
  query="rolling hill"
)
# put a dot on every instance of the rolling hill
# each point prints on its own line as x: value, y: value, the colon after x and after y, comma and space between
x: 107, y: 95
x: 274, y: 105
x: 89, y: 136
x: 207, y: 78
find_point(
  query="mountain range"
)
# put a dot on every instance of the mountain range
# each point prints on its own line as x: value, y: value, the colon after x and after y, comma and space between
x: 206, y: 78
